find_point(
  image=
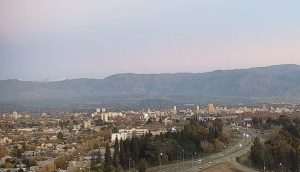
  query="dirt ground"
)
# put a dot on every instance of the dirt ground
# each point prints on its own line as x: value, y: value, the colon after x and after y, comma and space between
x: 224, y: 167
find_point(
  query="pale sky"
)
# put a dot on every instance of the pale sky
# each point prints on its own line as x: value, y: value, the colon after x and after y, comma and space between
x: 57, y: 39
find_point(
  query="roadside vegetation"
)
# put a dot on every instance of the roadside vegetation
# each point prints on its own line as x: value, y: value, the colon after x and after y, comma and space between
x: 141, y: 152
x: 281, y: 152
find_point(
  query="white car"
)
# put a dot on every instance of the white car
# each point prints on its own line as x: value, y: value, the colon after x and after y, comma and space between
x: 210, y: 162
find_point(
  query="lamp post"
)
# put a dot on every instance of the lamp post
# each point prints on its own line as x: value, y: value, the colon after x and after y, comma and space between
x: 160, y: 159
x: 280, y: 164
x: 129, y: 164
x: 177, y: 163
x: 195, y: 153
x: 160, y: 154
x: 183, y: 155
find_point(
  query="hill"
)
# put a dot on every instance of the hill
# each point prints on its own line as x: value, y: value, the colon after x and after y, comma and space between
x: 274, y: 83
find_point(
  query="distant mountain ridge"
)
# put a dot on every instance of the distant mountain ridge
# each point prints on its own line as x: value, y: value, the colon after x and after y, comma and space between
x: 280, y: 82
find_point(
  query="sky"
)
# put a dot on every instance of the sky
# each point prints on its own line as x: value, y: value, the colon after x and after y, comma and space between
x: 65, y: 39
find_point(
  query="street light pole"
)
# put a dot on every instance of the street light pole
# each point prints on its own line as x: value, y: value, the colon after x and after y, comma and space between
x: 193, y: 158
x: 160, y: 154
x: 129, y: 163
x: 160, y: 159
x: 177, y: 163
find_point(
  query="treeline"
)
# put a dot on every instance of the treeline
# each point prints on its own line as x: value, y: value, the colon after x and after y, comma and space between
x: 282, y: 120
x: 282, y: 152
x: 148, y: 150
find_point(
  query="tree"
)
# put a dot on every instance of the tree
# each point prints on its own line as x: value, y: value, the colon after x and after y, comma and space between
x: 99, y: 122
x: 255, y: 121
x: 143, y: 165
x: 8, y: 164
x: 122, y: 153
x: 108, y: 160
x: 60, y: 136
x: 134, y: 148
x: 62, y: 162
x: 29, y: 162
x: 16, y: 152
x: 20, y: 170
x: 116, y: 157
x: 257, y: 153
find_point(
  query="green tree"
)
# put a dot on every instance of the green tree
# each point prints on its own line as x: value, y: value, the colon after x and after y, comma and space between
x: 108, y: 160
x: 116, y: 157
x: 60, y: 136
x: 255, y: 122
x: 143, y: 165
x: 99, y: 122
x: 257, y: 153
x: 122, y: 154
x: 135, y: 148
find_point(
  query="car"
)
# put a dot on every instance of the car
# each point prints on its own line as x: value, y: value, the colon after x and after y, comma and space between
x: 200, y: 167
x: 210, y: 162
x: 200, y: 160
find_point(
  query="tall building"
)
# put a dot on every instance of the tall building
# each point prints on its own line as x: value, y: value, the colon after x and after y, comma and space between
x: 198, y: 108
x: 174, y: 110
x: 15, y: 115
x: 211, y: 108
x: 98, y: 110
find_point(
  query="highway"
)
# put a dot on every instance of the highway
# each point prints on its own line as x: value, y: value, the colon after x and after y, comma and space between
x: 228, y: 155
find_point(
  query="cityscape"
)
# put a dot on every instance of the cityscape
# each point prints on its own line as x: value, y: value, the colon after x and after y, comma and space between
x: 149, y: 86
x: 78, y: 141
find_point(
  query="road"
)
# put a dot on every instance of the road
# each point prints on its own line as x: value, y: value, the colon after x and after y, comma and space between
x: 228, y: 155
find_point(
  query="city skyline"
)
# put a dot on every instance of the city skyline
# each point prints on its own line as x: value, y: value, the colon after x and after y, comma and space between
x: 53, y: 40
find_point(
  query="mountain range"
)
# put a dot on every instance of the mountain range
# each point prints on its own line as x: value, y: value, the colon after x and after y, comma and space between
x: 280, y: 83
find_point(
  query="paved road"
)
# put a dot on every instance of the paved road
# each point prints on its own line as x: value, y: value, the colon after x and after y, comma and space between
x: 229, y: 155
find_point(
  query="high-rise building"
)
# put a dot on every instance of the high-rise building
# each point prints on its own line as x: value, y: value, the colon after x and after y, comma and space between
x: 198, y: 108
x: 98, y: 110
x: 211, y: 108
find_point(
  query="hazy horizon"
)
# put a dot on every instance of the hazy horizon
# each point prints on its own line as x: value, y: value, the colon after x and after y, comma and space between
x: 56, y: 40
x: 62, y: 79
